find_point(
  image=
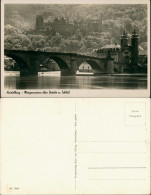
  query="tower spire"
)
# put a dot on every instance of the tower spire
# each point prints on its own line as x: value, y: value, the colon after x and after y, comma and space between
x: 134, y: 32
x: 124, y: 40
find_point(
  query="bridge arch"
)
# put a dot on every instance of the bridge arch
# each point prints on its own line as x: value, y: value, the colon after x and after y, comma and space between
x: 24, y: 69
x: 93, y: 64
x: 61, y: 63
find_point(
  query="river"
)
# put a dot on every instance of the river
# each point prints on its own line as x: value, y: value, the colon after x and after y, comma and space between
x: 53, y: 80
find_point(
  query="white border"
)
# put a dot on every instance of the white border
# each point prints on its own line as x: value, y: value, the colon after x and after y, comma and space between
x: 77, y: 92
x: 76, y: 1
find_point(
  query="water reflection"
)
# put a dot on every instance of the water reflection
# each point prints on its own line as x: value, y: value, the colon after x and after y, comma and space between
x: 55, y: 81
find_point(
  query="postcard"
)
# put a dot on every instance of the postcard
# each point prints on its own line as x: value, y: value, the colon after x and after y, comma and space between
x: 89, y: 48
x: 75, y: 146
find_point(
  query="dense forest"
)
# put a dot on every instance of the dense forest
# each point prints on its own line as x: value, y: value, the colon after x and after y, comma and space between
x: 20, y: 19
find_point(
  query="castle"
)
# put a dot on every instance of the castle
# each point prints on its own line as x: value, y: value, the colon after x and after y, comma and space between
x: 65, y: 27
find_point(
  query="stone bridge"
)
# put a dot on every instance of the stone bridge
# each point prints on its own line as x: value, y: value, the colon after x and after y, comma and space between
x: 29, y: 62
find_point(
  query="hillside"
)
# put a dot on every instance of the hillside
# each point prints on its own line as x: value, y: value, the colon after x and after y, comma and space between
x: 20, y: 18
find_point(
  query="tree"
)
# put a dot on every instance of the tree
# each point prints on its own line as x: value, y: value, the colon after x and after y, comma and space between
x: 25, y: 42
x: 79, y: 37
x: 9, y: 30
x: 56, y: 40
x: 127, y: 23
x: 20, y: 19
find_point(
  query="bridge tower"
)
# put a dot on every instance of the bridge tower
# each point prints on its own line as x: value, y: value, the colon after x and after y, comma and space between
x: 134, y: 48
x: 124, y: 41
x: 109, y: 64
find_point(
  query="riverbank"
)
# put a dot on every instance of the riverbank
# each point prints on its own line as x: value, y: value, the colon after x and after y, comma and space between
x: 117, y: 75
x: 57, y: 73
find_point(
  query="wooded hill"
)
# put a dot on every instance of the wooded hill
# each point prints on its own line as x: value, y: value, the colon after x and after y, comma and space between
x: 19, y: 19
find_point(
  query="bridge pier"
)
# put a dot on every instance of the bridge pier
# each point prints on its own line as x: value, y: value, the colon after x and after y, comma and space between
x: 110, y: 66
x: 68, y: 73
x: 24, y: 72
x: 27, y: 72
x: 33, y: 63
x: 31, y: 67
x: 72, y: 63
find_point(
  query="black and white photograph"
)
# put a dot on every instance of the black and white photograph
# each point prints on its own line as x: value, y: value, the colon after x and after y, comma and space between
x: 92, y: 47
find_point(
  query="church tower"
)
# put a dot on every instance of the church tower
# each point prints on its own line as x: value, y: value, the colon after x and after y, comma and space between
x: 134, y: 48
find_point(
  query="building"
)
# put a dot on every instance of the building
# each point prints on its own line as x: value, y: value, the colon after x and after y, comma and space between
x: 114, y: 50
x: 127, y: 58
x: 65, y: 27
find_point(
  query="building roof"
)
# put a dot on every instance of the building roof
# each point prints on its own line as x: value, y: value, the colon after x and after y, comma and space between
x: 111, y: 46
x: 140, y: 48
x: 142, y: 52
